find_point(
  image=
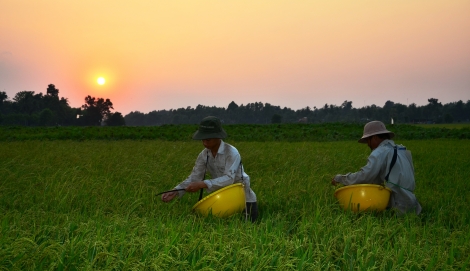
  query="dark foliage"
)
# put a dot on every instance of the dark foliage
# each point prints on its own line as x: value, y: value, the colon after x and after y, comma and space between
x: 259, y: 113
x: 115, y: 119
x: 95, y: 110
x: 30, y: 109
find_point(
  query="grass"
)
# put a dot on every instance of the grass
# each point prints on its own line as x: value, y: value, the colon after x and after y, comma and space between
x: 90, y: 205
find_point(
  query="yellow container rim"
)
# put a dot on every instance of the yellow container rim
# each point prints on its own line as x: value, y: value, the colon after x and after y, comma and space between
x: 215, y: 193
x: 362, y: 185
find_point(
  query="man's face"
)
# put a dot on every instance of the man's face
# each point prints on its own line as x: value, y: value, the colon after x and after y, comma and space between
x: 211, y: 143
x: 373, y: 142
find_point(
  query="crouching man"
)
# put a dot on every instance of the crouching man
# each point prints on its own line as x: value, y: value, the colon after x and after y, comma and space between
x: 389, y: 163
x: 223, y: 162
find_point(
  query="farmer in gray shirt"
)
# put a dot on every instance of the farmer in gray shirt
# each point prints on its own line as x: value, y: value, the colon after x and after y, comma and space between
x: 385, y: 152
x: 223, y: 162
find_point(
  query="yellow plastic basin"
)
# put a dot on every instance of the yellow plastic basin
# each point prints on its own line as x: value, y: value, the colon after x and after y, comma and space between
x: 223, y: 202
x: 363, y: 197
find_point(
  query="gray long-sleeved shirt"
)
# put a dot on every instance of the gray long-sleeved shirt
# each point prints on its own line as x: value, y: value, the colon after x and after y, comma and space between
x: 225, y: 169
x: 401, y: 179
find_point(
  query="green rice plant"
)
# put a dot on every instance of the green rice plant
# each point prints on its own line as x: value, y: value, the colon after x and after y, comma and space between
x: 293, y: 132
x: 445, y: 125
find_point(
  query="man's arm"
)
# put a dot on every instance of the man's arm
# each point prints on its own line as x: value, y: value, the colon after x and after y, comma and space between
x: 197, y: 174
x: 368, y: 174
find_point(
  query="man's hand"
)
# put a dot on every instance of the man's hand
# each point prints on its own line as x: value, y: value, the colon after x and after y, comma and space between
x: 167, y: 197
x: 195, y: 186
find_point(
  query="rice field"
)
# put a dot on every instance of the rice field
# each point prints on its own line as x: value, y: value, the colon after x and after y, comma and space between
x: 91, y: 205
x: 445, y: 125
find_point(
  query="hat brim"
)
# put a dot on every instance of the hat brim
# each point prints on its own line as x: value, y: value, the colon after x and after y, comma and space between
x: 200, y: 136
x: 364, y: 137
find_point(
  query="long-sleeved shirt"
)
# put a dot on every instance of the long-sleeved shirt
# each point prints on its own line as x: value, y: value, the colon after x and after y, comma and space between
x: 401, y: 179
x: 225, y: 169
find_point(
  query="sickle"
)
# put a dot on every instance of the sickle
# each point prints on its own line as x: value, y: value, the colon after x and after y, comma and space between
x: 169, y: 191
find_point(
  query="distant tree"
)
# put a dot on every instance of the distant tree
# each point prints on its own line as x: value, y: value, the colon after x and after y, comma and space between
x: 52, y: 91
x: 179, y: 118
x: 413, y: 112
x: 466, y: 111
x: 434, y: 102
x: 448, y: 118
x: 457, y: 110
x: 153, y: 118
x: 276, y: 118
x: 388, y: 104
x: 3, y: 101
x: 115, y: 119
x: 26, y: 102
x: 232, y: 106
x: 347, y: 105
x: 3, y: 96
x: 432, y: 110
x: 136, y: 118
x: 95, y: 110
x: 347, y: 109
x: 45, y: 117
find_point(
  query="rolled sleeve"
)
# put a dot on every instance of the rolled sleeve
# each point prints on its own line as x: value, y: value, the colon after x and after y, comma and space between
x: 368, y: 174
x: 197, y: 174
x: 208, y: 183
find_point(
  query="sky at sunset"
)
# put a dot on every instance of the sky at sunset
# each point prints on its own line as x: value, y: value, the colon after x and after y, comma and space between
x: 159, y: 54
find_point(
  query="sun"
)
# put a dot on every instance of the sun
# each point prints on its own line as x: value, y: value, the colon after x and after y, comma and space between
x: 101, y: 81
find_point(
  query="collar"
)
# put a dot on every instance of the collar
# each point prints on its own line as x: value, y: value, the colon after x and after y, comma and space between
x: 387, y: 142
x: 221, y: 149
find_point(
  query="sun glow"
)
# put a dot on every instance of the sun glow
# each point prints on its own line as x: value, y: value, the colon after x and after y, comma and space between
x: 101, y: 81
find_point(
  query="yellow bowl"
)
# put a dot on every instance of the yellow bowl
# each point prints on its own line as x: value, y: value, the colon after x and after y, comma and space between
x: 363, y: 197
x: 223, y: 202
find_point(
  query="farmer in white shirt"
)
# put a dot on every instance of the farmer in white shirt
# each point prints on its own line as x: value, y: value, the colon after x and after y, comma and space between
x: 400, y: 178
x: 223, y: 162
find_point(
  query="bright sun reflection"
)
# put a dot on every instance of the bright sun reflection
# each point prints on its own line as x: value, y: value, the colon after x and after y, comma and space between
x: 101, y: 81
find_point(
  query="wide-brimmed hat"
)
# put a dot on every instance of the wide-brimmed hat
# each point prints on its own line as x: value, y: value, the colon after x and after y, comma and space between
x: 374, y: 128
x: 210, y: 127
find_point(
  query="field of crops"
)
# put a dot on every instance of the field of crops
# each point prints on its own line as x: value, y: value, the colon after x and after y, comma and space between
x: 240, y: 132
x: 91, y: 205
x: 445, y: 125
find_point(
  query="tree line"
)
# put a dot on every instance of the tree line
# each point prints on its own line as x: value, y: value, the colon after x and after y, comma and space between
x: 263, y: 113
x: 30, y: 109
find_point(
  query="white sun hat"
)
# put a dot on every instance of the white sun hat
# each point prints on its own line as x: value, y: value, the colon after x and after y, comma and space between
x: 374, y: 128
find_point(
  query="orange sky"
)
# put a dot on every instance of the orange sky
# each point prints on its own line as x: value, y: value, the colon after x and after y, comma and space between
x: 170, y: 54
